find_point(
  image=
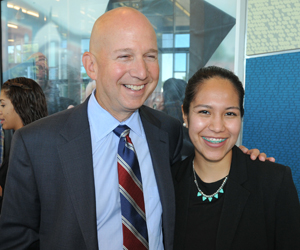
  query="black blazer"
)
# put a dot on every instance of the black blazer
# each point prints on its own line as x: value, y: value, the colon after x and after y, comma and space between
x: 50, y: 192
x: 260, y: 210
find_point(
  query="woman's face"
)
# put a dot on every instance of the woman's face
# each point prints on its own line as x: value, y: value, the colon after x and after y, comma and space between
x: 214, y: 119
x: 8, y: 116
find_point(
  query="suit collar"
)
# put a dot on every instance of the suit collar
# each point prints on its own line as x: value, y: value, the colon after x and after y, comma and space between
x: 158, y: 143
x: 235, y: 199
x: 77, y: 121
x: 148, y: 116
x: 75, y: 153
x: 182, y: 182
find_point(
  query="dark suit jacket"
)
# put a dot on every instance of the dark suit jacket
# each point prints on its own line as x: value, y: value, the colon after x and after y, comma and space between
x: 3, y: 173
x: 50, y: 192
x: 260, y: 210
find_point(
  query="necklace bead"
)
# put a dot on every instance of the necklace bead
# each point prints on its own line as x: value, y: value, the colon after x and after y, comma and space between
x: 205, y: 196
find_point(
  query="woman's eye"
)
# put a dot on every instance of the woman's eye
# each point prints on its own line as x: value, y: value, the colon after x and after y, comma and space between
x: 231, y: 114
x: 204, y: 112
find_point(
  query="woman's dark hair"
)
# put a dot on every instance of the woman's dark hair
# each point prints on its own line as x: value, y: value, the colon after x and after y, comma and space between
x: 27, y: 97
x: 207, y: 73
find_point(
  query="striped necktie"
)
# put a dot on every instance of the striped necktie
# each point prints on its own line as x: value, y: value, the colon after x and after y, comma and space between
x: 135, y: 234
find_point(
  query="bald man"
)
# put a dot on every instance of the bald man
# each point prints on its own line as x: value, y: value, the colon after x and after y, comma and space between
x: 62, y: 188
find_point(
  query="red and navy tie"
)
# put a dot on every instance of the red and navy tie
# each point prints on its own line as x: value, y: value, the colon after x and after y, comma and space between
x: 135, y: 234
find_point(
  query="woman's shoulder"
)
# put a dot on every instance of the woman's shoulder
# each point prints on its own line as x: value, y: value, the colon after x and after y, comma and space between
x: 270, y: 173
x: 264, y: 179
x: 264, y: 166
x: 180, y: 168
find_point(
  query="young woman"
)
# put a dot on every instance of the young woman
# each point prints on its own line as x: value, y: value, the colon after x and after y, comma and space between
x: 224, y: 200
x: 22, y: 101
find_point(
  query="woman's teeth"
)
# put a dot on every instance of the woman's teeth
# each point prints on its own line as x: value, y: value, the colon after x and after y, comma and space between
x: 213, y: 140
x: 135, y: 87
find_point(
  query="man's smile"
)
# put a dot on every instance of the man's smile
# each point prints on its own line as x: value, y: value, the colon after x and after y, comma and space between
x: 135, y: 87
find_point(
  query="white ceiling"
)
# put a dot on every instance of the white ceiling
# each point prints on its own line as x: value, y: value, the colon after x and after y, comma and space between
x: 78, y: 16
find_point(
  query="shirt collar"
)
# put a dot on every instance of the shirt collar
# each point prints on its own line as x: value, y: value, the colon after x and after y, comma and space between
x: 102, y: 122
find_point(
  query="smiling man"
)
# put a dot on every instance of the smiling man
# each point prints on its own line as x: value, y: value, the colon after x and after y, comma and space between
x: 62, y: 189
x: 124, y: 65
x: 63, y: 185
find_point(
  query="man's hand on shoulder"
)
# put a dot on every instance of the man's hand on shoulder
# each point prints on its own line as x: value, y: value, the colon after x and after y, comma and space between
x: 254, y: 153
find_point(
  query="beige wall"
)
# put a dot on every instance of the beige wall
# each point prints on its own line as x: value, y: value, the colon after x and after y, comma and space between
x: 273, y: 26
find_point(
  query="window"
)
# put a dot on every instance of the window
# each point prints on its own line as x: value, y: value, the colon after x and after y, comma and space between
x: 45, y: 40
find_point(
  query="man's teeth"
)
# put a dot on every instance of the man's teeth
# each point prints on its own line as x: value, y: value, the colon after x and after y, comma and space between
x: 134, y: 87
x: 214, y: 140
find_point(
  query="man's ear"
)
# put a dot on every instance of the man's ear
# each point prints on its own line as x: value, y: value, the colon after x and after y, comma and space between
x: 185, y: 119
x: 90, y: 64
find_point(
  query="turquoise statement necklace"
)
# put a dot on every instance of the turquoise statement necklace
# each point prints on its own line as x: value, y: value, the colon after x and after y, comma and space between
x: 205, y: 196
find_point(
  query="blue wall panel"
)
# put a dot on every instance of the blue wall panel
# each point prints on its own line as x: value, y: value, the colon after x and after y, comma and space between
x: 272, y: 108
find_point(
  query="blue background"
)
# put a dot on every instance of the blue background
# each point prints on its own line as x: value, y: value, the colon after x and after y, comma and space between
x: 272, y: 108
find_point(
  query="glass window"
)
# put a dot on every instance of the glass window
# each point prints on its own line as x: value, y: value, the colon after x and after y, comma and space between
x: 166, y: 66
x: 182, y: 41
x: 180, y: 62
x: 167, y: 40
x: 45, y: 40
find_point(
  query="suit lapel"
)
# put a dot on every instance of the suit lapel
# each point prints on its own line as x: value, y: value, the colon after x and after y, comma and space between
x: 158, y: 143
x: 235, y: 200
x: 76, y: 160
x: 182, y: 183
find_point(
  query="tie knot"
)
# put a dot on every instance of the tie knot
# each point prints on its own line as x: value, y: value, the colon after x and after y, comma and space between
x: 122, y: 130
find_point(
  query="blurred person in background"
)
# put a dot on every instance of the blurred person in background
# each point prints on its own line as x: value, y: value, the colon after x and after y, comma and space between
x: 55, y: 102
x: 22, y: 102
x: 173, y: 95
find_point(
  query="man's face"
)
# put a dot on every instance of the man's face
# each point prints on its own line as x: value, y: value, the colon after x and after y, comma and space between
x: 41, y: 70
x: 128, y: 69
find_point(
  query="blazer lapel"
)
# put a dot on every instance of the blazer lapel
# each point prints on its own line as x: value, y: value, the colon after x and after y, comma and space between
x: 235, y: 200
x: 158, y: 143
x: 182, y: 183
x: 75, y: 153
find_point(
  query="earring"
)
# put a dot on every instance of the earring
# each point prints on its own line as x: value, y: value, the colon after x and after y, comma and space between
x: 184, y: 124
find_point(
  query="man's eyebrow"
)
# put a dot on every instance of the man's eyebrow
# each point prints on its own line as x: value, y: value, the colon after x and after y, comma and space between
x: 153, y: 51
x: 129, y: 50
x: 123, y: 50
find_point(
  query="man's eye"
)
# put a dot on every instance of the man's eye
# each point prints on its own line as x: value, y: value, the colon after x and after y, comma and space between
x: 151, y: 56
x: 123, y: 57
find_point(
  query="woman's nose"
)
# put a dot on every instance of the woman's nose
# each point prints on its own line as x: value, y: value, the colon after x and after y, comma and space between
x: 217, y: 124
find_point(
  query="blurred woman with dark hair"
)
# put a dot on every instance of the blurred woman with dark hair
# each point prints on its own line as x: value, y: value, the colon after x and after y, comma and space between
x: 22, y: 101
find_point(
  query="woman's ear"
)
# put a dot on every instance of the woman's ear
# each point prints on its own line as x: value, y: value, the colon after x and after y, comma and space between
x: 90, y: 64
x: 184, y: 116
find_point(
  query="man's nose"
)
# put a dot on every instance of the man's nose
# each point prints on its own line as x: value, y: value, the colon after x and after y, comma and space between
x: 139, y: 69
